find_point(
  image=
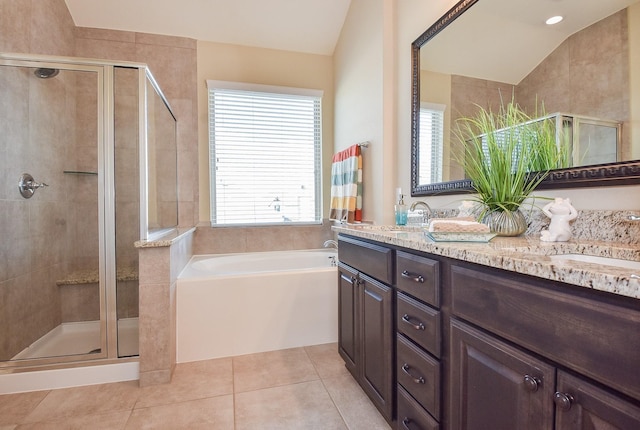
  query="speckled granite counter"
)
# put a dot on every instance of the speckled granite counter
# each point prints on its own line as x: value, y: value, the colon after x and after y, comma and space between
x: 91, y: 276
x: 166, y: 240
x: 525, y: 254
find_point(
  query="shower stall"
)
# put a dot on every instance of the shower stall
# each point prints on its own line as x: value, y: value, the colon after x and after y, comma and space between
x: 88, y: 162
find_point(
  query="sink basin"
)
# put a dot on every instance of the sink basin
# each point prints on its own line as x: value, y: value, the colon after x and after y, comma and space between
x: 607, y: 261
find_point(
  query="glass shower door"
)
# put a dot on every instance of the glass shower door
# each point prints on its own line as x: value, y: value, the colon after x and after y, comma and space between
x: 51, y: 273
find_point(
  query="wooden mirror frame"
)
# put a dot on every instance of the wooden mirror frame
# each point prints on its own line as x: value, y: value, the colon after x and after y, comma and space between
x: 599, y: 175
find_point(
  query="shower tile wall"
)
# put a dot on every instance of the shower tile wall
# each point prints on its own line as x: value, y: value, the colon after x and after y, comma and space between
x: 25, y: 274
x: 127, y: 189
x: 38, y: 119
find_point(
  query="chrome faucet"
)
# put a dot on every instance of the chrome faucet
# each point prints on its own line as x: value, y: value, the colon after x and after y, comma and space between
x: 330, y: 244
x: 633, y: 218
x: 425, y: 214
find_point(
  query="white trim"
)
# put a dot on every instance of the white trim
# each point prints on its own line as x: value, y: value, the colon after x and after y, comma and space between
x: 276, y: 89
x: 433, y: 106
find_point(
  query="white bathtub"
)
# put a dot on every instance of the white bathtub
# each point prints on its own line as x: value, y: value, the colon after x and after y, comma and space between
x: 235, y: 304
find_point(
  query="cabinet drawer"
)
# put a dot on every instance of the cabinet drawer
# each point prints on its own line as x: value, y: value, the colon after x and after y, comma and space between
x: 411, y: 416
x: 419, y: 374
x: 593, y: 336
x: 418, y: 322
x: 374, y: 260
x: 419, y: 277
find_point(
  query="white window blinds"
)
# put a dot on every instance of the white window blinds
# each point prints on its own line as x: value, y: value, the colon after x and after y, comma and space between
x: 265, y: 154
x: 431, y: 143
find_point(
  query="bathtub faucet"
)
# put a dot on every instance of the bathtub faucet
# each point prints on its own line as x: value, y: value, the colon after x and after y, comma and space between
x: 330, y: 244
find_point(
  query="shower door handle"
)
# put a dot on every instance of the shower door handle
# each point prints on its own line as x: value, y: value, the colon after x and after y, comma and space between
x: 28, y: 186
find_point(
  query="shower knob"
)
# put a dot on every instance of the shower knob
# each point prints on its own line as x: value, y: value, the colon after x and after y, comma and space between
x: 28, y: 186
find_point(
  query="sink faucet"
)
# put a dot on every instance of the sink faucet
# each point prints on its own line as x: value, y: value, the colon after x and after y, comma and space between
x: 425, y: 214
x: 330, y: 244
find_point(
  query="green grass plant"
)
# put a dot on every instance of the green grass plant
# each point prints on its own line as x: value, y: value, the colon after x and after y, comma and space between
x: 506, y: 154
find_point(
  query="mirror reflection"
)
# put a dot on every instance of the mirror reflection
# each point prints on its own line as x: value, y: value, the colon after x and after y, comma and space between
x: 580, y: 70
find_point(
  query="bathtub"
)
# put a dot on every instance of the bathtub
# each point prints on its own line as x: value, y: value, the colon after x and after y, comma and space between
x: 235, y: 304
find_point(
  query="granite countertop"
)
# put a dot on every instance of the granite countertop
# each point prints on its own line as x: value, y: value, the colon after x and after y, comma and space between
x: 165, y: 240
x: 91, y: 276
x: 524, y: 254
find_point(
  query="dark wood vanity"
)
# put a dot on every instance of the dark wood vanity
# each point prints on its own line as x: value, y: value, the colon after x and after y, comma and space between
x: 439, y: 343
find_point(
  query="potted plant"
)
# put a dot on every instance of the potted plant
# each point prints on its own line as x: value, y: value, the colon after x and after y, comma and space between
x: 506, y: 154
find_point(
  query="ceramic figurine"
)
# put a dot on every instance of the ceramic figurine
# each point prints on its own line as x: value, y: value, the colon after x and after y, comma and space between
x: 561, y: 212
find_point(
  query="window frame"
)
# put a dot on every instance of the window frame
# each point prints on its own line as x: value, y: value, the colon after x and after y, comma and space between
x: 213, y: 85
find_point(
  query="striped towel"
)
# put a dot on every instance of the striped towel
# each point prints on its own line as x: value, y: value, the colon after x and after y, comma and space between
x: 346, y: 185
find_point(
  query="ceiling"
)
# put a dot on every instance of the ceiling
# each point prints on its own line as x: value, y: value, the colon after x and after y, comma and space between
x: 310, y: 26
x: 512, y: 34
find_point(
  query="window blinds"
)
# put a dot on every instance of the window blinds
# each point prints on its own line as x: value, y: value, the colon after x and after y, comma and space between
x: 265, y: 155
x: 431, y: 143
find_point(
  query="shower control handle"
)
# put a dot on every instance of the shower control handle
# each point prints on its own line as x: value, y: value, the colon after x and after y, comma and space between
x: 28, y: 186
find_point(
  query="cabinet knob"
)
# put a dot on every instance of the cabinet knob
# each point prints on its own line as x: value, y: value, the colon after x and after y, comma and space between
x: 413, y: 276
x: 563, y: 400
x: 531, y: 383
x: 407, y: 369
x: 407, y: 319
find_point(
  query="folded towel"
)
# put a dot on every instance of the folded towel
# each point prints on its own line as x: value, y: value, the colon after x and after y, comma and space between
x: 457, y: 225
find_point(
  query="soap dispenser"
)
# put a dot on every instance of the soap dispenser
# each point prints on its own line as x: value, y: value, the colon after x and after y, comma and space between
x: 401, y: 211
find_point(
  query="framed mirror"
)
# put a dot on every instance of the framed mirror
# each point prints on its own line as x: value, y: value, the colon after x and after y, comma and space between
x: 585, y: 71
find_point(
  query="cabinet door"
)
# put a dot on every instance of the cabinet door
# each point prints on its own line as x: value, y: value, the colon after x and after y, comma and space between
x: 377, y: 343
x: 348, y: 317
x: 582, y: 406
x: 496, y: 386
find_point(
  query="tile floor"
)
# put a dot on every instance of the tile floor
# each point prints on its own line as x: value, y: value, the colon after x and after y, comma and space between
x: 300, y: 388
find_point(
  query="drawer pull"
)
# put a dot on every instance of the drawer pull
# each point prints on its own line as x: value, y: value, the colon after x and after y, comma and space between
x: 407, y: 369
x: 531, y: 383
x: 405, y: 423
x: 563, y: 400
x: 407, y: 319
x: 413, y: 276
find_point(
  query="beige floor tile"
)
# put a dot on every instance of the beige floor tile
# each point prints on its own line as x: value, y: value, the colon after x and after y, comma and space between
x: 8, y: 427
x: 326, y: 360
x: 272, y: 369
x: 15, y: 407
x: 305, y: 405
x: 110, y: 421
x: 191, y: 381
x: 89, y: 400
x: 354, y: 405
x: 215, y: 413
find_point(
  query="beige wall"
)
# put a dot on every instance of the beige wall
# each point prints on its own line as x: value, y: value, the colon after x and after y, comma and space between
x: 413, y: 17
x: 360, y: 95
x: 634, y: 75
x: 235, y: 63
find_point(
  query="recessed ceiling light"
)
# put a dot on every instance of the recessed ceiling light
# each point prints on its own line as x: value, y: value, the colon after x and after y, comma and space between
x: 554, y: 20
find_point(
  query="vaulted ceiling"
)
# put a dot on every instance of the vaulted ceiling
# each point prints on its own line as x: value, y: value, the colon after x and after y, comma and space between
x: 311, y: 26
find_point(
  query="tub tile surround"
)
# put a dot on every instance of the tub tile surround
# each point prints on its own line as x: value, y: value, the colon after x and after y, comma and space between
x: 227, y: 240
x: 601, y: 233
x: 220, y: 393
x: 160, y: 263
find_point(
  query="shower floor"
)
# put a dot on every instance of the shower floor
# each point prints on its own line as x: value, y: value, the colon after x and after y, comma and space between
x: 81, y: 338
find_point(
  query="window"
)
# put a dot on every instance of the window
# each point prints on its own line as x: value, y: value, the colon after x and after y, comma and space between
x: 265, y: 154
x: 431, y: 143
